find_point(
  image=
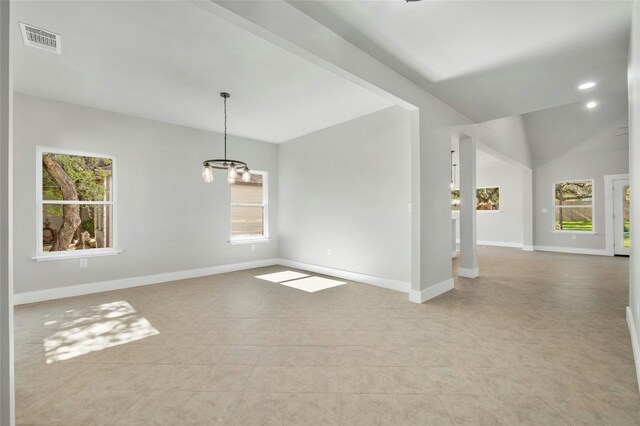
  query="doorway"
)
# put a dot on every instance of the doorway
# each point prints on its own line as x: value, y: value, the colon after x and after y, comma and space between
x: 621, y: 224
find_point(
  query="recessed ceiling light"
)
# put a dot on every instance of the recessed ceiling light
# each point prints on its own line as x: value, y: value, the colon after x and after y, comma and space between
x: 587, y: 85
x: 592, y: 104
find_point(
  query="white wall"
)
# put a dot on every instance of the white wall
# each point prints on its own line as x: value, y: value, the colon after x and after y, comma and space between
x: 504, y: 227
x: 168, y: 218
x: 347, y: 188
x: 7, y: 391
x: 506, y: 138
x: 633, y: 312
x: 574, y: 166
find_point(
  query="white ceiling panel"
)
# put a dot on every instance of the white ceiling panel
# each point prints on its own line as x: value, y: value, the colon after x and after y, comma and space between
x: 168, y: 61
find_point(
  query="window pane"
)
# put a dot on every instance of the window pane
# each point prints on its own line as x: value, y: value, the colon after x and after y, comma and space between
x: 247, y: 192
x: 574, y: 219
x: 574, y: 193
x: 488, y: 198
x: 626, y: 218
x: 246, y: 221
x: 74, y: 177
x: 455, y: 199
x: 95, y: 229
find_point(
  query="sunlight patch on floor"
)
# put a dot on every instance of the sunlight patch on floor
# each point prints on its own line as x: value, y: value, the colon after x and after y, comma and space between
x: 301, y: 281
x: 313, y: 284
x: 96, y: 328
x: 279, y: 277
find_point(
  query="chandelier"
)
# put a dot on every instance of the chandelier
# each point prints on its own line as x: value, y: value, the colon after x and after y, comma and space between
x: 233, y: 167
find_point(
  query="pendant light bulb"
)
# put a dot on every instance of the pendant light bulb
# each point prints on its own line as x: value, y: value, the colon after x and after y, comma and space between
x: 233, y: 173
x: 207, y: 173
x: 246, y: 176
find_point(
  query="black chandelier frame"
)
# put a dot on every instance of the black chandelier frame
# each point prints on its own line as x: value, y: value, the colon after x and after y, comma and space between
x: 226, y: 163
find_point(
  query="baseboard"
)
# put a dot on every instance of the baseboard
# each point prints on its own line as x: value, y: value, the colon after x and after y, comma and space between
x: 82, y: 289
x: 99, y: 287
x: 495, y: 243
x: 387, y: 283
x: 468, y: 272
x: 634, y: 342
x: 499, y: 244
x: 631, y: 322
x: 527, y: 248
x: 431, y: 292
x: 595, y: 252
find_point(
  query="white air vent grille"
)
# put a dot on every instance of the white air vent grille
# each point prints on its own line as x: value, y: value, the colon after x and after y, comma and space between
x: 40, y: 39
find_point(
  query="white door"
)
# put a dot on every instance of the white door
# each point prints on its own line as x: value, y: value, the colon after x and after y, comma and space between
x: 622, y: 243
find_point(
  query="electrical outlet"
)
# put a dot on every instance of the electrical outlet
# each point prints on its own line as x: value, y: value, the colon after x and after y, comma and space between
x: 253, y: 247
x: 84, y: 263
x: 409, y: 208
x: 545, y: 210
x: 329, y: 252
x: 573, y: 237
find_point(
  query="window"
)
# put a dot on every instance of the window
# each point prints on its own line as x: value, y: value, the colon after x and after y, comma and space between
x: 249, y: 208
x: 573, y: 206
x: 486, y: 198
x: 76, y: 203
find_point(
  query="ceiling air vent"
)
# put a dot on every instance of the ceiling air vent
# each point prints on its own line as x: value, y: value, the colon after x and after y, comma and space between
x: 40, y: 39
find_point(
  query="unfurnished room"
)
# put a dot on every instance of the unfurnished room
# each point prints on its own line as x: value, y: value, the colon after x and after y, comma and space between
x: 391, y: 212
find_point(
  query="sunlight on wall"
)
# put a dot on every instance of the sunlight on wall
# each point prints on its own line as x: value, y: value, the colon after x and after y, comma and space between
x: 300, y: 281
x: 95, y: 328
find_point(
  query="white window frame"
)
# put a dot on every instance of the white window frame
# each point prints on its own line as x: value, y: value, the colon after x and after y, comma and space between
x: 61, y: 255
x: 554, y: 206
x: 265, y: 213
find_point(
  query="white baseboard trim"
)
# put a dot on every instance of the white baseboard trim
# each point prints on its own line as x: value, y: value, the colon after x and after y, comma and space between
x: 387, y: 283
x: 527, y: 248
x: 82, y: 289
x: 468, y: 272
x: 495, y: 243
x: 499, y: 244
x: 634, y: 342
x: 595, y: 252
x: 431, y: 292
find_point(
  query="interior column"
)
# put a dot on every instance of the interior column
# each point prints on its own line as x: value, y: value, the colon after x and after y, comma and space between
x: 527, y: 209
x: 468, y: 251
x: 7, y: 402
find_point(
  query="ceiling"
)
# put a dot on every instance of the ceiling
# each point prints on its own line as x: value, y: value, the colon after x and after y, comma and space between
x: 484, y: 160
x: 168, y: 61
x: 556, y: 131
x: 491, y: 59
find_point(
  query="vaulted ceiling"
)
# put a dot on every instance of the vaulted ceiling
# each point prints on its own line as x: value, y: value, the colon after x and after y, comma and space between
x: 491, y: 59
x: 169, y: 60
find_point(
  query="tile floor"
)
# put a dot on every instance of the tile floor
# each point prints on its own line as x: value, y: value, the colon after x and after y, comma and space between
x: 538, y: 339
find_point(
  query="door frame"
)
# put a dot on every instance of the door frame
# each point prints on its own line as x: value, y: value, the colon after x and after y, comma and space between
x: 618, y: 209
x: 608, y: 211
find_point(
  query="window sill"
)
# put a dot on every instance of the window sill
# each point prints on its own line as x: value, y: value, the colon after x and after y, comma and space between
x: 74, y: 255
x: 249, y: 240
x: 455, y: 214
x: 575, y: 232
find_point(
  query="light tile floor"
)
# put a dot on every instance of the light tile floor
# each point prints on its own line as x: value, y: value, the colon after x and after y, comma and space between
x: 538, y: 339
